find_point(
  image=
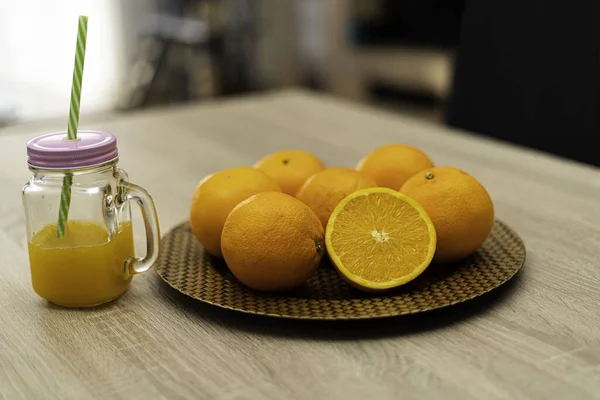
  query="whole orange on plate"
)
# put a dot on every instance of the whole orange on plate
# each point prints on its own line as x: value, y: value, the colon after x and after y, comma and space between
x: 390, y: 166
x: 290, y: 168
x: 379, y: 239
x: 323, y: 191
x: 459, y: 206
x: 272, y: 242
x: 217, y: 195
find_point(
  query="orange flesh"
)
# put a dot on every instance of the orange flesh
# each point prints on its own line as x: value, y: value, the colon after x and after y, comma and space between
x: 382, y: 239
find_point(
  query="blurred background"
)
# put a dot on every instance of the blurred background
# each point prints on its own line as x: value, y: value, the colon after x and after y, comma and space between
x: 400, y: 55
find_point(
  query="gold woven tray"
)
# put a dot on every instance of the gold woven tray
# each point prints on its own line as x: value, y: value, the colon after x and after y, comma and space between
x: 185, y: 266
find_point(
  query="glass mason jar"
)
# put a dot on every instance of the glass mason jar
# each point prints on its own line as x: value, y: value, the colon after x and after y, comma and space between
x: 93, y: 263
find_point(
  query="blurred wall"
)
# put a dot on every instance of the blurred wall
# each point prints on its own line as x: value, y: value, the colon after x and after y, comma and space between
x: 37, y: 44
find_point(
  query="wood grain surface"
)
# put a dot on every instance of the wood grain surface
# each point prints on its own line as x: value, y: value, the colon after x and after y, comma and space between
x: 537, y: 338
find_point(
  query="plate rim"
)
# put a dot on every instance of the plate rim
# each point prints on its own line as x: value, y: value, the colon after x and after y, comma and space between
x: 185, y: 224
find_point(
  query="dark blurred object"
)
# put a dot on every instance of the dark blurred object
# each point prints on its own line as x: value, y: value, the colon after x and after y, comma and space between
x: 529, y: 73
x: 396, y: 54
x: 433, y: 23
x: 164, y: 66
x: 190, y: 50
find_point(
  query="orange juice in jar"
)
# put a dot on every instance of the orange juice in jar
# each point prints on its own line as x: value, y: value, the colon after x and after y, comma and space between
x: 93, y: 263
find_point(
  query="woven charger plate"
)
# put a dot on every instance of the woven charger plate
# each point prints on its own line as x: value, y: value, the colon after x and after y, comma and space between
x: 185, y: 266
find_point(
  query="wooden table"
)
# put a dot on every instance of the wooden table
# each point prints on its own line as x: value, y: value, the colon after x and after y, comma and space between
x: 539, y: 337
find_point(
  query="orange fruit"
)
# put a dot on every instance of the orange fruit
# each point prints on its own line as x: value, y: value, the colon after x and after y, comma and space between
x: 379, y: 238
x: 459, y: 206
x: 390, y: 166
x: 272, y: 242
x: 323, y: 191
x: 217, y: 195
x: 290, y: 168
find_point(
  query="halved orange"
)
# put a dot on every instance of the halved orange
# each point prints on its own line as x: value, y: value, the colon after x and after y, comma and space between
x: 380, y: 239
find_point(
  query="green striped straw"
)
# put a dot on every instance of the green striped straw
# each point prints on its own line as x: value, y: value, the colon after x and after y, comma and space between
x: 65, y: 195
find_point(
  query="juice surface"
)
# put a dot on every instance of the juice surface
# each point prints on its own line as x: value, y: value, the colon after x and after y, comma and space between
x: 83, y: 268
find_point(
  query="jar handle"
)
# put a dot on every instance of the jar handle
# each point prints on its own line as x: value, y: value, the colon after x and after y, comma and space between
x: 139, y: 195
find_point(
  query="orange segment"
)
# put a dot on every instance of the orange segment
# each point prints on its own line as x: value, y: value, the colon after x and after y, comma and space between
x: 379, y: 239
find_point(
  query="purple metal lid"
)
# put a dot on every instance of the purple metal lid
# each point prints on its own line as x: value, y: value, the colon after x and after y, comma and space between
x: 55, y: 151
